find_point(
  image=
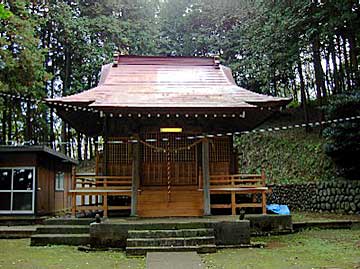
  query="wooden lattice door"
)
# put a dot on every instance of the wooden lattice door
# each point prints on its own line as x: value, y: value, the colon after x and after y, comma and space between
x: 173, y: 152
x: 220, y: 156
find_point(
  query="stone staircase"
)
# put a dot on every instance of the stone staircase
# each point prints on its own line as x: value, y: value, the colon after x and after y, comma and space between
x: 55, y: 231
x: 201, y: 240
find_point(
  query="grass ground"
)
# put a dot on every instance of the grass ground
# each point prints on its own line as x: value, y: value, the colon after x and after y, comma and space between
x: 310, y: 216
x: 18, y: 254
x: 308, y: 249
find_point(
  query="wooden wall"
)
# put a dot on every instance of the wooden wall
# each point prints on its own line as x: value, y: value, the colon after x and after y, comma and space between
x: 62, y: 198
x: 47, y: 200
x: 153, y: 202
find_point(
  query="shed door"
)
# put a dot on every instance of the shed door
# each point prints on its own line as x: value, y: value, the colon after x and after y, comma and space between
x: 17, y: 190
x: 170, y: 152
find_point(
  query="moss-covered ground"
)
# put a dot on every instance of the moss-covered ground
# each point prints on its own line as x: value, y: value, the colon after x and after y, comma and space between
x: 292, y: 156
x: 308, y: 249
x: 313, y: 216
x: 18, y: 254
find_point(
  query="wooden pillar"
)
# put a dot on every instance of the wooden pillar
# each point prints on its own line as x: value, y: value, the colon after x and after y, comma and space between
x: 263, y: 194
x: 106, y: 147
x: 73, y: 195
x: 206, y: 177
x: 135, y: 180
x: 105, y: 166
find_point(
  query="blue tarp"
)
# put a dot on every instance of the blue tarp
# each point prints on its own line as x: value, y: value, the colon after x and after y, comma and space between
x: 279, y: 209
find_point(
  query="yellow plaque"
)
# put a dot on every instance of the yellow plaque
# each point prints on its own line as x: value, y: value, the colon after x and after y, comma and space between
x: 170, y: 130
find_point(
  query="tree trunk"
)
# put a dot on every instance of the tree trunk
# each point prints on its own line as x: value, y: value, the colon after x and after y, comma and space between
x: 66, y: 81
x: 91, y: 153
x: 86, y: 148
x: 28, y: 122
x: 9, y: 123
x: 96, y: 146
x: 294, y: 90
x: 354, y: 58
x: 3, y: 122
x: 328, y: 78
x: 79, y: 146
x: 341, y: 69
x: 335, y: 69
x: 347, y: 65
x: 319, y: 72
x: 302, y: 91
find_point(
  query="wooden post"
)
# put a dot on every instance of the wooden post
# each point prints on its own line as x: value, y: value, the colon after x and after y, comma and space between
x: 106, y: 147
x: 263, y: 194
x: 233, y: 203
x: 82, y: 196
x: 73, y: 196
x: 233, y: 197
x: 206, y: 176
x: 135, y: 177
x: 105, y: 205
x: 263, y: 202
x: 105, y: 166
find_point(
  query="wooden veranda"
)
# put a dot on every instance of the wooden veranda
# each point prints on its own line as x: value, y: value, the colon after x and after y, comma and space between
x: 177, y: 180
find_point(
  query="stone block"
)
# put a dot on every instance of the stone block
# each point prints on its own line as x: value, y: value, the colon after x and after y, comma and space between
x: 232, y: 232
x: 270, y: 224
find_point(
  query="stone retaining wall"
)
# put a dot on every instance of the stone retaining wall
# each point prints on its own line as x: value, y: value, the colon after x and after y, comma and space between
x: 335, y: 196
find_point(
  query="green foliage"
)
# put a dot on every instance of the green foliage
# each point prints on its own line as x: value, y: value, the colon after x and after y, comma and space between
x: 344, y: 139
x: 4, y: 13
x: 58, y: 49
x: 289, y: 157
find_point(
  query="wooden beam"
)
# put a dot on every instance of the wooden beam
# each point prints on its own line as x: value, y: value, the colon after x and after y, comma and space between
x: 206, y: 176
x: 135, y: 178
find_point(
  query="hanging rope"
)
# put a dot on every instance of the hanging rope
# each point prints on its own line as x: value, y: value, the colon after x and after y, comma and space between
x: 168, y: 171
x: 167, y: 149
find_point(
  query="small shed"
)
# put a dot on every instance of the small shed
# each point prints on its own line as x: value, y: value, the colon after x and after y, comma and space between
x: 34, y: 180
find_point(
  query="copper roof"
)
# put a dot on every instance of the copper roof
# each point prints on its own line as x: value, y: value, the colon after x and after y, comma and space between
x: 143, y: 82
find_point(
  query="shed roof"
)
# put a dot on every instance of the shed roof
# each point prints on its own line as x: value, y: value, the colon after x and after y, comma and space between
x: 37, y: 149
x: 155, y: 82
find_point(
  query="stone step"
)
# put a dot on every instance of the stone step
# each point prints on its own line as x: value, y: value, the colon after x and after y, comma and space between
x: 16, y: 232
x: 172, y: 225
x: 140, y: 251
x: 170, y: 233
x: 60, y: 239
x: 20, y: 220
x: 170, y: 242
x: 63, y: 229
x: 68, y: 221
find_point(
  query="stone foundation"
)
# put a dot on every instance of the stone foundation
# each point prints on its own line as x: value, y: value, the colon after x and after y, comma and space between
x: 106, y: 235
x: 334, y: 196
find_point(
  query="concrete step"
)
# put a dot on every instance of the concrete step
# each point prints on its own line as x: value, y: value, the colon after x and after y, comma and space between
x: 63, y: 229
x: 149, y: 225
x: 69, y: 221
x: 60, y: 239
x: 170, y: 233
x: 140, y: 251
x: 20, y: 220
x: 16, y: 232
x: 170, y: 242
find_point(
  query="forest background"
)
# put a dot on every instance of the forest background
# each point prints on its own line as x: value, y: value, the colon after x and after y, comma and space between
x: 305, y: 49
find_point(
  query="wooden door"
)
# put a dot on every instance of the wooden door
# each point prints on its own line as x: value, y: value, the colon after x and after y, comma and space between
x: 170, y: 159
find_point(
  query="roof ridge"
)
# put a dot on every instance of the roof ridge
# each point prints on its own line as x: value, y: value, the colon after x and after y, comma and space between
x: 165, y: 60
